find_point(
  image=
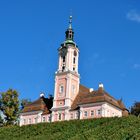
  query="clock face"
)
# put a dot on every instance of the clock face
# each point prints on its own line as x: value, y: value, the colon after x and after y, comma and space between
x: 63, y: 52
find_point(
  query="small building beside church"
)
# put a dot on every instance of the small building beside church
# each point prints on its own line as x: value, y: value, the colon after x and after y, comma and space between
x: 71, y: 99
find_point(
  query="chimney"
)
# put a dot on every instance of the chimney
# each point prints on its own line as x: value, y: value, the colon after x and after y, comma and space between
x: 42, y: 95
x: 101, y: 86
x: 91, y: 89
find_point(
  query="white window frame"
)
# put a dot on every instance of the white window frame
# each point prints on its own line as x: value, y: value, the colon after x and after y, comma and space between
x: 36, y: 120
x: 24, y: 121
x: 43, y: 119
x: 76, y: 115
x: 85, y: 113
x: 49, y: 118
x: 71, y: 116
x: 99, y: 111
x: 30, y: 121
x: 61, y: 89
x: 92, y: 113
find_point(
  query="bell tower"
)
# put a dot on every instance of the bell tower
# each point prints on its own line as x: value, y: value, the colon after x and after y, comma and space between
x: 66, y: 77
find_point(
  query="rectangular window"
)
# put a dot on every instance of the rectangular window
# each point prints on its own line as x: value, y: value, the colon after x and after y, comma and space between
x: 49, y: 118
x: 44, y: 119
x: 24, y: 121
x: 30, y: 121
x: 74, y: 60
x: 36, y: 120
x: 73, y: 68
x: 64, y: 59
x: 61, y: 89
x: 71, y: 115
x: 85, y: 113
x: 76, y: 115
x: 92, y: 113
x: 99, y: 112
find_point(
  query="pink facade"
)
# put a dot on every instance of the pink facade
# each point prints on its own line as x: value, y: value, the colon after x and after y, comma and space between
x: 71, y: 100
x: 34, y: 118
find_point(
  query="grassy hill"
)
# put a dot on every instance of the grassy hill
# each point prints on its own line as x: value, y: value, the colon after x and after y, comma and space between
x: 95, y: 129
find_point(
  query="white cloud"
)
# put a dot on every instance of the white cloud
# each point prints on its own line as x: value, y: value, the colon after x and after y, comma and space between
x: 133, y: 15
x: 136, y: 66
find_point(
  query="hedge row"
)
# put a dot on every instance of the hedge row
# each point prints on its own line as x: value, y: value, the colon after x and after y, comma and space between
x: 125, y: 128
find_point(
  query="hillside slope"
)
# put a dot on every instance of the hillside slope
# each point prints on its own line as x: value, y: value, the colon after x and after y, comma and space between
x: 96, y: 129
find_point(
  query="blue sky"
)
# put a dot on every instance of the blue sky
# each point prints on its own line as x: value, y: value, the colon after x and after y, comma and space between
x: 107, y: 33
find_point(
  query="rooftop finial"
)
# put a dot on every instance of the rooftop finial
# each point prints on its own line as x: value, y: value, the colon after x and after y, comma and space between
x: 70, y: 22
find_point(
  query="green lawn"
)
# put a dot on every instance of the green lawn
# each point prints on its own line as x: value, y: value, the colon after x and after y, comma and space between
x: 126, y: 128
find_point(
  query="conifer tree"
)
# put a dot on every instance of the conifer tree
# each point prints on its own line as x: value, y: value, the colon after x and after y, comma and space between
x: 135, y: 109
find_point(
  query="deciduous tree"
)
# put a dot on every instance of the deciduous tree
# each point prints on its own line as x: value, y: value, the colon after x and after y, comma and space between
x: 9, y: 105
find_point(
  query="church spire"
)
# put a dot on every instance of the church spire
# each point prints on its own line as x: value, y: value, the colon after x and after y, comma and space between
x: 69, y: 32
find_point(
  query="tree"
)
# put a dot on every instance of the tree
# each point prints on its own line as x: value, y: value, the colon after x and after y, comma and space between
x: 9, y: 105
x: 1, y: 121
x: 24, y: 102
x: 135, y: 109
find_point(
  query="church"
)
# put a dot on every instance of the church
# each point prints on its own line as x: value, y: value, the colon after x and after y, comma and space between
x: 71, y: 99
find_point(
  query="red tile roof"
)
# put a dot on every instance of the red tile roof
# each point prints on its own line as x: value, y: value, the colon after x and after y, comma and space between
x: 86, y: 97
x: 38, y: 105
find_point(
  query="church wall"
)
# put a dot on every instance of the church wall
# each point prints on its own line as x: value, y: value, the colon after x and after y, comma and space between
x: 46, y: 118
x: 26, y: 119
x: 91, y: 112
x: 111, y: 111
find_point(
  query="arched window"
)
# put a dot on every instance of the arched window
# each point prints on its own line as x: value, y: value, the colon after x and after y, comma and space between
x: 63, y: 68
x: 61, y: 89
x: 73, y: 68
x: 74, y: 59
x: 64, y: 59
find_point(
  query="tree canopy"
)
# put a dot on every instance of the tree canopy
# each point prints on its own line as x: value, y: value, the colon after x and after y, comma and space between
x: 9, y: 105
x: 135, y: 109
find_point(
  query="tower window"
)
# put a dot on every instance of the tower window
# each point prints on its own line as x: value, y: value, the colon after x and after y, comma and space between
x: 74, y: 60
x: 61, y: 89
x: 70, y: 36
x: 73, y: 68
x: 63, y: 68
x: 64, y: 59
